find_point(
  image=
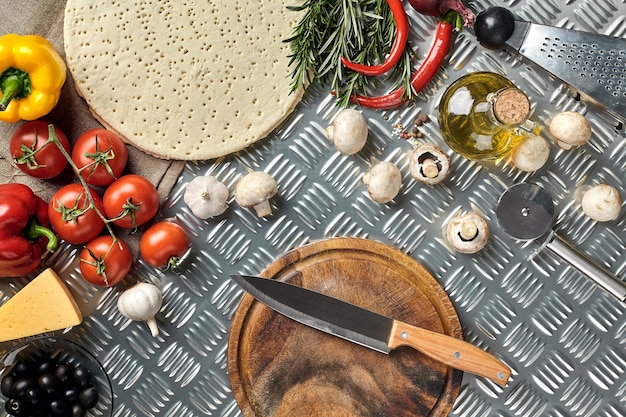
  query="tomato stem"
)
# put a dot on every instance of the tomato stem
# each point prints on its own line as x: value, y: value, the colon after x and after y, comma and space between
x: 107, y: 223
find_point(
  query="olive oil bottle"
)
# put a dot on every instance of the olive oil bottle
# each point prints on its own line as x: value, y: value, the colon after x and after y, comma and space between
x: 483, y: 116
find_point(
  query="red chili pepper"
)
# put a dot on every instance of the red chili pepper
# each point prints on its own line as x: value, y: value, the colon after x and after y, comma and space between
x: 426, y: 71
x: 402, y: 35
x: 23, y: 237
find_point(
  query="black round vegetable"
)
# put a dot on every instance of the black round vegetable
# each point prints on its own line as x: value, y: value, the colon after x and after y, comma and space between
x: 494, y: 26
x: 47, y: 387
x: 7, y: 382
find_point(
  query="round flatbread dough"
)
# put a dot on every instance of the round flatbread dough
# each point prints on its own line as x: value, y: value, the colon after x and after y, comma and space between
x: 189, y: 80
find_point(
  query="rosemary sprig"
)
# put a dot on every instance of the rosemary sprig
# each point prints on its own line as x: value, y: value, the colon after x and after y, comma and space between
x: 361, y: 30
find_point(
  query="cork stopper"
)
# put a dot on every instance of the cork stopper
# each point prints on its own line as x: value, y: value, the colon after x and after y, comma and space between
x: 511, y: 106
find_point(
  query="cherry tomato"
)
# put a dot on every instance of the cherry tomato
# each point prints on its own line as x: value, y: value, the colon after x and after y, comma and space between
x: 105, y: 262
x: 131, y: 201
x: 163, y: 244
x: 32, y: 153
x: 100, y: 155
x: 72, y: 216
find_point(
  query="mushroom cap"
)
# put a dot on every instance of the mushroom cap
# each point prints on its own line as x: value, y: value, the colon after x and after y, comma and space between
x: 426, y: 157
x: 348, y: 132
x: 458, y: 227
x: 602, y: 203
x: 531, y: 154
x: 570, y: 129
x: 255, y: 188
x: 383, y: 181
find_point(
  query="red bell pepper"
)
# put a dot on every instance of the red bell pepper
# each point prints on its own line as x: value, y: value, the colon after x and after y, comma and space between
x: 23, y: 235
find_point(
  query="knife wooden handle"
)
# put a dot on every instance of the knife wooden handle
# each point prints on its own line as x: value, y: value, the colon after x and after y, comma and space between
x: 453, y: 352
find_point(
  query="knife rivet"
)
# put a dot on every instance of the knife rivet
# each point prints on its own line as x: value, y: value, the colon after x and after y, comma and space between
x: 457, y: 354
x: 500, y: 375
x: 404, y: 335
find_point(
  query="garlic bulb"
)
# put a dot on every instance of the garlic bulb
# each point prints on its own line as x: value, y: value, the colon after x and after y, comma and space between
x: 141, y: 302
x: 206, y: 196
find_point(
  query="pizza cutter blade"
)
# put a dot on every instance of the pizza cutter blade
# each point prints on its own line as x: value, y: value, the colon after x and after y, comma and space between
x: 526, y: 212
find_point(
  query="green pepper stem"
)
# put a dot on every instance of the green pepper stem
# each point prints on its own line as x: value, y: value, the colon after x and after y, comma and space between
x: 14, y: 84
x: 11, y: 87
x: 35, y: 231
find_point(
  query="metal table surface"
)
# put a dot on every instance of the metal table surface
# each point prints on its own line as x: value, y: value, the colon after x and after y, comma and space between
x: 564, y: 338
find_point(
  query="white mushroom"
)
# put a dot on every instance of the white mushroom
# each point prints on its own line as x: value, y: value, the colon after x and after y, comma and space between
x: 206, y: 196
x: 531, y: 154
x: 602, y: 203
x: 570, y: 129
x: 348, y: 132
x: 255, y: 190
x: 468, y: 233
x: 429, y: 164
x: 383, y: 181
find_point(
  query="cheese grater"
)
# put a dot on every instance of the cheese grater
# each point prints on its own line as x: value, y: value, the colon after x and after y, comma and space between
x: 593, y: 64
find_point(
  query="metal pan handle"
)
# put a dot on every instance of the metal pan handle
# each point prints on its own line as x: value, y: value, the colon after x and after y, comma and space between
x: 611, y: 283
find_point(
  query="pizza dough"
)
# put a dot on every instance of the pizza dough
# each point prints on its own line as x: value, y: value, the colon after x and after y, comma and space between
x: 190, y: 80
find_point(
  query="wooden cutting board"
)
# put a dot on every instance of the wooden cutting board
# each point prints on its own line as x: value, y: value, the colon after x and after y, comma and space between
x: 280, y: 368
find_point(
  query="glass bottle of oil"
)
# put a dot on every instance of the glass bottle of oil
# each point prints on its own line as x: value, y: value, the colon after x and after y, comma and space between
x: 483, y: 116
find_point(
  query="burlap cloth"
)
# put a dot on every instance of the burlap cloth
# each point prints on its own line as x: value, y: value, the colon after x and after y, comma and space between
x: 71, y: 115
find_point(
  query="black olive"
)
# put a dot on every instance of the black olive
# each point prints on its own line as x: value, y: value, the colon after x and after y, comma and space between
x: 15, y: 407
x: 88, y: 397
x: 71, y: 394
x: 82, y: 376
x: 34, y: 397
x: 49, y: 384
x: 7, y: 382
x: 22, y: 369
x: 60, y: 408
x: 494, y: 26
x: 19, y: 388
x: 78, y: 411
x: 64, y: 372
x: 47, y: 366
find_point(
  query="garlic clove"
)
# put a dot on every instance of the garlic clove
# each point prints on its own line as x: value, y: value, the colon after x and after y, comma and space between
x: 206, y: 197
x: 141, y: 302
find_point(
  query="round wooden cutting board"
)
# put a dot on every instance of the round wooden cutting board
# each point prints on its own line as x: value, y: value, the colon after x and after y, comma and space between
x: 281, y: 368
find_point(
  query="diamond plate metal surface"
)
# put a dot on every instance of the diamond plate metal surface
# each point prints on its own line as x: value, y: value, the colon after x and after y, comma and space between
x: 563, y: 337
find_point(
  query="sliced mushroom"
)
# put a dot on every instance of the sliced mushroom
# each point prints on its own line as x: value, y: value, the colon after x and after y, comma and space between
x: 468, y: 233
x: 255, y: 190
x: 531, y: 154
x: 602, y: 203
x: 429, y: 164
x: 383, y: 181
x: 348, y: 132
x: 570, y: 129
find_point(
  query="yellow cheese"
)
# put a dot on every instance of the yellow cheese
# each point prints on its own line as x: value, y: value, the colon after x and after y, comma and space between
x: 43, y: 305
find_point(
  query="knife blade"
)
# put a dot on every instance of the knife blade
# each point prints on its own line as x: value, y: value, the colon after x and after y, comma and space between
x: 370, y: 329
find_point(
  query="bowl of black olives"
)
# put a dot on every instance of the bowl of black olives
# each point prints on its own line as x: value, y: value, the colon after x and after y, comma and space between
x: 53, y: 377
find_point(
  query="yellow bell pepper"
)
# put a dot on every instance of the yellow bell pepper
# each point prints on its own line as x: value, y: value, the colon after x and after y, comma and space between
x: 31, y: 76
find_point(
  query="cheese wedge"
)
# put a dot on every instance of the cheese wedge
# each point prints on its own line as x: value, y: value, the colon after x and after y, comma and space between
x: 43, y: 305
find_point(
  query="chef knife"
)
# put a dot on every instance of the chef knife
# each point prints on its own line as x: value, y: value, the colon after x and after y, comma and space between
x: 370, y: 329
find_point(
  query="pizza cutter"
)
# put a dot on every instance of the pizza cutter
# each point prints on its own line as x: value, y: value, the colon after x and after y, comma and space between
x: 526, y: 212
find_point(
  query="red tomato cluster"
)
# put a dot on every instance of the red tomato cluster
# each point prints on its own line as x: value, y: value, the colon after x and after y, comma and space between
x: 79, y: 214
